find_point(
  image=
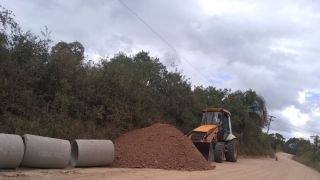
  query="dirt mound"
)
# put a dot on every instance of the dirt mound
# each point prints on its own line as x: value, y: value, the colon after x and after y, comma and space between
x: 158, y: 146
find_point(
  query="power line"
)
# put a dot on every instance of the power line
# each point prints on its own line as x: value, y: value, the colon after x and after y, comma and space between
x: 147, y: 25
x: 161, y: 37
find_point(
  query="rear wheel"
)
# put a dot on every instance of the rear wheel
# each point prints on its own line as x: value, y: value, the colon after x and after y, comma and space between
x: 218, y: 152
x: 232, y: 151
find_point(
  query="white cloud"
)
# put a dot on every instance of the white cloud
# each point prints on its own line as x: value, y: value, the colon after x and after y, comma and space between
x: 301, y: 135
x: 295, y: 116
x: 93, y: 56
x: 218, y: 7
x: 316, y: 111
x: 287, y: 46
x: 302, y: 95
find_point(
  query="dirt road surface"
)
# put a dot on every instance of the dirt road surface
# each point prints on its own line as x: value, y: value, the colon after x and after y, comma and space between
x: 246, y: 169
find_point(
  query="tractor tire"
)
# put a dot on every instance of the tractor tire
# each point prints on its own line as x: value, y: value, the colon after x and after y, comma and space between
x: 232, y: 151
x: 219, y: 152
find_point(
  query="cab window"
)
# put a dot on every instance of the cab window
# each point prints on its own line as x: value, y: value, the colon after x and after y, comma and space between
x: 211, y: 118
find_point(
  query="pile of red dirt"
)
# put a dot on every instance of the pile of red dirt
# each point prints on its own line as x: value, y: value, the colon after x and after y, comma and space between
x: 158, y: 146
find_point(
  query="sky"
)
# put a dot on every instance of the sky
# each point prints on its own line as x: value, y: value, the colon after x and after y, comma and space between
x: 267, y: 45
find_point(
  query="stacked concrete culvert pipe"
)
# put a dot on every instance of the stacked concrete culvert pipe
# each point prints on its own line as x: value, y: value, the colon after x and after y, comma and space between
x: 86, y: 153
x: 11, y: 150
x: 45, y: 152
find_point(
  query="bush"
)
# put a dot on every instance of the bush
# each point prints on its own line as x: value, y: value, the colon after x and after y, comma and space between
x: 309, y: 158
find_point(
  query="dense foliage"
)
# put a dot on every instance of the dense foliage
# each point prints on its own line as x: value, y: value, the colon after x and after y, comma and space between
x: 55, y: 91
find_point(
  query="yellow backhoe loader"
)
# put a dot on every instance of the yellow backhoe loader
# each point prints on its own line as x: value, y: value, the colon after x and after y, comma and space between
x: 214, y: 138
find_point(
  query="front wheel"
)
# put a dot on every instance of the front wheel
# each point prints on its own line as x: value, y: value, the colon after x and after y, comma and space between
x: 232, y: 151
x: 218, y: 152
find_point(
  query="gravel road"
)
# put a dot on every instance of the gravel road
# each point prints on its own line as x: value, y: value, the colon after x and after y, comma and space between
x: 245, y: 169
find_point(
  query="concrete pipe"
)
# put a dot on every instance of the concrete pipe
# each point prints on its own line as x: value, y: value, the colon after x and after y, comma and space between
x: 86, y: 153
x: 45, y: 152
x: 11, y: 150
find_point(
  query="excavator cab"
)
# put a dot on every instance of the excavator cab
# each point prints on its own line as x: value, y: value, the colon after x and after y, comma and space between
x: 214, y: 138
x: 211, y: 118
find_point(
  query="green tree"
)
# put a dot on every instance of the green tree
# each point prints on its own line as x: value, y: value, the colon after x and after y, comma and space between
x: 278, y: 141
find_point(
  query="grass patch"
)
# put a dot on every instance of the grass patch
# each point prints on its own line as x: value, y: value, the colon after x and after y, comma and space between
x: 309, y: 158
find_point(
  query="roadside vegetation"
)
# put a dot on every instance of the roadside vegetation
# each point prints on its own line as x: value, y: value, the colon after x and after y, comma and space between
x: 54, y: 90
x: 304, y: 151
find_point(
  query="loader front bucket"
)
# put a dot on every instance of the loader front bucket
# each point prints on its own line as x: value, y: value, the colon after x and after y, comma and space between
x: 206, y: 149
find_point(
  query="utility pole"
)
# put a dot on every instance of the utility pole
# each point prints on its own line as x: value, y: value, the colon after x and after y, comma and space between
x: 271, y: 118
